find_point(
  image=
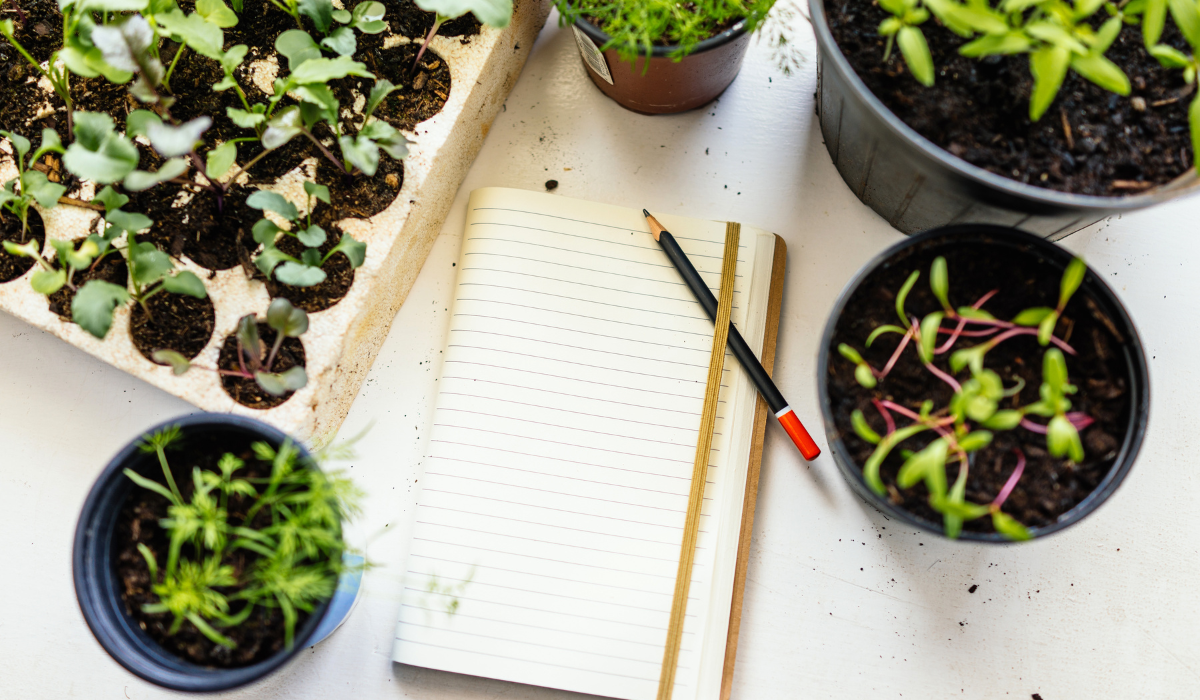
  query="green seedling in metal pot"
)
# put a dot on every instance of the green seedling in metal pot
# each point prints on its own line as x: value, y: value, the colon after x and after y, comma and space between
x: 902, y: 28
x: 305, y: 271
x: 255, y: 360
x: 1186, y: 14
x: 297, y: 558
x: 29, y: 186
x: 968, y: 423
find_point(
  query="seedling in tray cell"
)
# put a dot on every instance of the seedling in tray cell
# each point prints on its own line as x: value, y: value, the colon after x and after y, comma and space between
x: 255, y: 359
x: 305, y: 271
x: 494, y: 13
x: 968, y: 423
x: 29, y: 186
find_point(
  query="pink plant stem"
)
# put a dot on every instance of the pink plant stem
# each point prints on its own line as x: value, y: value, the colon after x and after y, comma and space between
x: 887, y: 416
x: 1012, y: 480
x: 895, y: 355
x: 1079, y: 419
x: 953, y: 337
x: 1033, y: 427
x: 1029, y: 331
x: 972, y: 334
x: 983, y: 299
x: 944, y: 377
x: 937, y: 425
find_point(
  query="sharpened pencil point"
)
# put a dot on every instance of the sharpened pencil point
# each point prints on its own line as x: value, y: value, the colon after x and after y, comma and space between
x: 645, y: 213
x: 655, y: 228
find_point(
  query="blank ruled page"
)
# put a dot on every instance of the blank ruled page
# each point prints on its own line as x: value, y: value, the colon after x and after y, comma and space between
x: 548, y: 530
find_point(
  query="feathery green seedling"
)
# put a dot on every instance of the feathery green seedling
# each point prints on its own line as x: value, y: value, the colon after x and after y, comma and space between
x: 902, y: 28
x: 255, y: 360
x: 305, y: 271
x: 299, y: 554
x: 1186, y: 14
x: 33, y: 184
x: 968, y: 422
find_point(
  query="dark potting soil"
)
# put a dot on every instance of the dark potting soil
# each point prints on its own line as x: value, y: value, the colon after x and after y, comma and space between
x: 176, y: 322
x: 111, y: 268
x: 339, y: 275
x: 1049, y: 486
x: 215, y: 238
x: 356, y: 195
x: 262, y: 635
x: 422, y: 92
x: 246, y: 391
x: 13, y: 266
x: 404, y: 18
x: 1089, y: 141
x: 40, y: 32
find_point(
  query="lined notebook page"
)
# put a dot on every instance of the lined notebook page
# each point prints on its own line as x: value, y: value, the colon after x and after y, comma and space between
x: 548, y: 530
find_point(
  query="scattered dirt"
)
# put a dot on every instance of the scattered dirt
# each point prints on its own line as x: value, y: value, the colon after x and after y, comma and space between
x: 1049, y: 486
x: 1090, y: 141
x: 176, y: 322
x: 246, y: 391
x: 13, y: 266
x: 262, y: 635
x: 111, y: 268
x: 339, y: 277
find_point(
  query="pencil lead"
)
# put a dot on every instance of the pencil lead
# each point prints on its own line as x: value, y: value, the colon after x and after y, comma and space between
x: 655, y: 228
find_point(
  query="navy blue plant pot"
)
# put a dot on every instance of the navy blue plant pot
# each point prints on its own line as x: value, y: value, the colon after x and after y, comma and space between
x: 98, y: 589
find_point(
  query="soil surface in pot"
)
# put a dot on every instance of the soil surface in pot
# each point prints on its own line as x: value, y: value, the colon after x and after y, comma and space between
x: 262, y: 635
x: 338, y: 277
x: 1090, y: 141
x: 423, y: 87
x: 176, y: 322
x: 1049, y: 486
x: 40, y: 32
x: 247, y: 391
x: 111, y: 268
x: 406, y: 19
x: 13, y: 266
x: 216, y: 236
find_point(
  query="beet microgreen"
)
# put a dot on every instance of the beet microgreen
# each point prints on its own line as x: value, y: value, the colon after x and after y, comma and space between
x: 299, y: 553
x: 967, y: 424
x: 255, y: 359
x: 33, y: 185
x: 305, y: 271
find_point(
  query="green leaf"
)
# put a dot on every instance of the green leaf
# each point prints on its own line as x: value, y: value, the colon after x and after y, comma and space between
x: 319, y: 11
x: 244, y: 119
x: 270, y: 258
x: 903, y: 294
x: 380, y: 90
x: 1187, y: 17
x: 173, y: 141
x: 233, y: 58
x: 352, y: 248
x: 265, y: 200
x: 979, y: 408
x: 871, y: 468
x: 341, y: 16
x: 1071, y: 279
x: 265, y: 231
x: 928, y: 465
x: 178, y: 363
x: 916, y: 54
x: 939, y: 281
x: 1049, y: 67
x: 1003, y: 420
x: 216, y: 12
x: 279, y: 384
x: 247, y: 335
x: 1009, y: 527
x: 367, y: 17
x: 313, y: 236
x: 864, y: 376
x: 204, y: 37
x: 140, y: 180
x: 286, y: 318
x: 884, y: 329
x: 19, y: 142
x: 321, y: 192
x: 850, y: 353
x: 1086, y: 8
x: 1109, y: 31
x: 341, y: 41
x: 185, y: 283
x: 1013, y: 42
x: 148, y: 264
x: 99, y: 153
x: 93, y: 305
x: 138, y: 120
x: 959, y: 509
x: 972, y: 356
x: 48, y: 281
x: 285, y: 125
x: 928, y: 337
x: 151, y: 485
x: 972, y: 312
x: 360, y: 152
x: 35, y: 184
x: 1032, y: 317
x: 299, y: 275
x: 323, y: 70
x: 494, y: 13
x: 1054, y: 368
x: 975, y: 441
x: 1154, y: 17
x: 1194, y: 127
x: 1170, y: 57
x: 322, y: 97
x: 1046, y: 328
x: 110, y: 5
x: 220, y: 159
x: 127, y: 46
x: 862, y: 428
x: 1102, y: 72
x: 298, y: 46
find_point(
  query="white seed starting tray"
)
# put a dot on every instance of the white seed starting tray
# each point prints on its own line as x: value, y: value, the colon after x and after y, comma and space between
x: 342, y: 341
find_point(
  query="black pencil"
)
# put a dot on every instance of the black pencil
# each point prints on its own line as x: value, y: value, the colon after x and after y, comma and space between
x: 779, y: 405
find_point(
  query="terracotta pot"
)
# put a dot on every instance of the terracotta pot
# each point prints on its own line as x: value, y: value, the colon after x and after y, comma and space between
x: 666, y: 86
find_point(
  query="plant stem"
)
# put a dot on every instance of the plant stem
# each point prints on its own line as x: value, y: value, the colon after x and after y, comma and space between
x: 944, y: 377
x: 437, y: 24
x: 171, y: 69
x: 274, y: 349
x: 162, y: 460
x: 332, y: 158
x: 1012, y: 480
x: 896, y: 355
x: 243, y: 168
x: 887, y: 416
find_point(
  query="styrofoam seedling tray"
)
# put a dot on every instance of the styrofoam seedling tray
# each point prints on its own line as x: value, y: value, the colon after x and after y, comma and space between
x: 342, y: 341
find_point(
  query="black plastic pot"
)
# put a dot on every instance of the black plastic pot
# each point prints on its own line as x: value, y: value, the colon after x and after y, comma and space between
x: 916, y: 185
x: 666, y: 86
x: 98, y: 589
x: 981, y: 236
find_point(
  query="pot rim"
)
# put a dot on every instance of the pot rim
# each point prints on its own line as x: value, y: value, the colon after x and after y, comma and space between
x: 115, y: 631
x: 831, y: 52
x: 715, y: 41
x: 1093, y: 284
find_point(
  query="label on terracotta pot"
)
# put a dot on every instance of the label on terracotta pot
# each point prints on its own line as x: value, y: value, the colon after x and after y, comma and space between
x: 591, y: 55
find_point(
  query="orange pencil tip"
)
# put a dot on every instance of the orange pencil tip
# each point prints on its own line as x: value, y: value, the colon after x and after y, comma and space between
x: 655, y: 227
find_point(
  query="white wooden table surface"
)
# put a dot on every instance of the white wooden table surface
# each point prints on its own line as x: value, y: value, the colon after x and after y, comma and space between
x: 840, y: 602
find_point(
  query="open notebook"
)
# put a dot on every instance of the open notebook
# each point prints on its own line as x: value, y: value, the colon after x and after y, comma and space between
x: 549, y: 526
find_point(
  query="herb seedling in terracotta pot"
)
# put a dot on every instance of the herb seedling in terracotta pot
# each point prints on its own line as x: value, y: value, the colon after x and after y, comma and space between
x: 209, y: 551
x: 1047, y: 113
x: 979, y: 382
x: 661, y: 58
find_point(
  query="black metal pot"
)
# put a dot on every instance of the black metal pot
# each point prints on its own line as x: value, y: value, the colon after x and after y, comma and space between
x: 98, y: 589
x: 981, y: 236
x: 916, y: 185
